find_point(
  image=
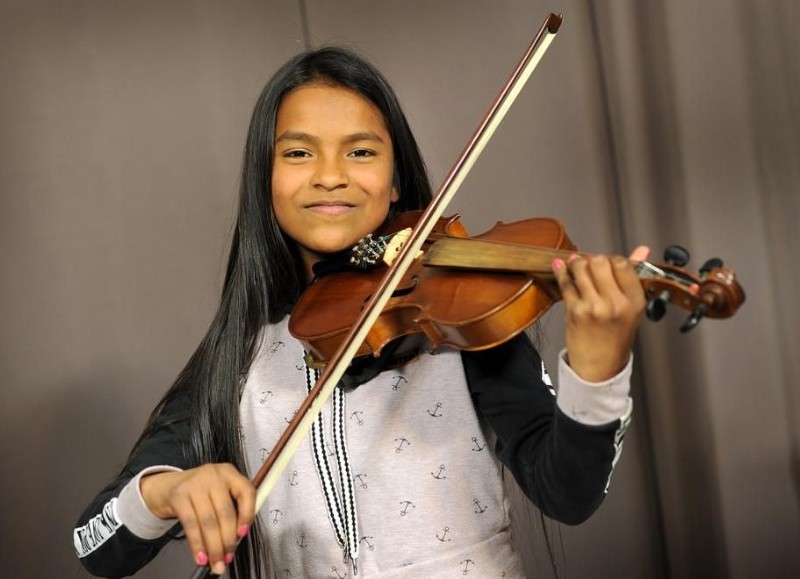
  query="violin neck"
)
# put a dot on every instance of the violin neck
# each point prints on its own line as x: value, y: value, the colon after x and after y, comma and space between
x: 480, y: 255
x: 500, y: 256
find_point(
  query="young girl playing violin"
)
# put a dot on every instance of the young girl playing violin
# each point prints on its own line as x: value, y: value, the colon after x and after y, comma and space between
x: 401, y: 474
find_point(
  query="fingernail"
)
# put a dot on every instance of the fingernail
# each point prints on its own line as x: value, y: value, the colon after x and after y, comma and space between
x: 558, y: 263
x: 201, y: 558
x: 218, y: 568
x: 228, y: 558
x: 243, y: 530
x: 573, y: 257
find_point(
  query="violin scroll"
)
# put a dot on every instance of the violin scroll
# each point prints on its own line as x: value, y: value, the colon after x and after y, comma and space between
x: 714, y: 292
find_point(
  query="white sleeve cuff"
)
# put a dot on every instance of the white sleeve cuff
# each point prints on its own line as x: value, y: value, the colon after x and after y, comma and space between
x: 594, y: 403
x: 134, y: 513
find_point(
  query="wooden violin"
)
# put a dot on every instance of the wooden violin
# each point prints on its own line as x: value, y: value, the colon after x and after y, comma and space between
x: 473, y: 293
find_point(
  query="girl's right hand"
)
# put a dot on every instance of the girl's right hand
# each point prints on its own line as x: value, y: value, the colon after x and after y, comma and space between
x: 215, y: 503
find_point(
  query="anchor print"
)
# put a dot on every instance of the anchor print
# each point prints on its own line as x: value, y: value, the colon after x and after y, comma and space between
x: 478, y: 445
x: 264, y: 396
x: 478, y: 507
x: 293, y: 479
x: 302, y: 542
x: 366, y: 540
x: 335, y: 570
x: 436, y: 413
x: 439, y: 474
x: 359, y: 416
x: 406, y: 504
x: 360, y: 480
x: 242, y: 436
x: 444, y: 538
x: 467, y: 563
x: 398, y: 382
x: 289, y: 420
x: 276, y: 346
x: 403, y: 442
x: 277, y: 517
x: 264, y: 454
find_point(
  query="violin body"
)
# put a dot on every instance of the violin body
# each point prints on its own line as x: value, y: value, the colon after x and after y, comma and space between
x: 462, y: 305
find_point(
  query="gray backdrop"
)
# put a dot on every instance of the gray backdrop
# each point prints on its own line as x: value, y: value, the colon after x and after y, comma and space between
x: 121, y: 131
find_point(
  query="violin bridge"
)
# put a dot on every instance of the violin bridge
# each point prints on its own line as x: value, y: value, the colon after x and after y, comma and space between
x: 395, y: 244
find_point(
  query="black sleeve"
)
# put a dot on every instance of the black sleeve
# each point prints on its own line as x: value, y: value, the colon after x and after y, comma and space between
x: 105, y: 546
x: 563, y: 466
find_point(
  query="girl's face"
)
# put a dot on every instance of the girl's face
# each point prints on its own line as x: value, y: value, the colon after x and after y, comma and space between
x: 332, y: 171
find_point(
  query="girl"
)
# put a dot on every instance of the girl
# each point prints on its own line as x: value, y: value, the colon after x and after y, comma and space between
x: 397, y: 477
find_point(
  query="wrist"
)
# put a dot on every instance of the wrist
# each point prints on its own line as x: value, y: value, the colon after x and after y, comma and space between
x: 593, y: 403
x: 135, y: 514
x: 596, y: 370
x: 152, y: 488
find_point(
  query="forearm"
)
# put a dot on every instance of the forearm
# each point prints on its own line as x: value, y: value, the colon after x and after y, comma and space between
x: 561, y: 455
x: 117, y: 534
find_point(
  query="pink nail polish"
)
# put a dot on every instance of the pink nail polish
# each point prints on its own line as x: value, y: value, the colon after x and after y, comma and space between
x: 558, y: 263
x: 228, y: 558
x: 201, y: 558
x: 243, y: 530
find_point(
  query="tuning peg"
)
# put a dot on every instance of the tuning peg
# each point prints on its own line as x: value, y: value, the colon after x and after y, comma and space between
x: 676, y: 255
x: 657, y: 306
x: 709, y: 265
x: 694, y: 318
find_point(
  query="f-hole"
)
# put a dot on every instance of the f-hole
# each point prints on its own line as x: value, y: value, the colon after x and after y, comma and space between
x: 399, y: 292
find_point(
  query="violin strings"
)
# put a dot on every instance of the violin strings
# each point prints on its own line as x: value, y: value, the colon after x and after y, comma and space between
x: 644, y: 269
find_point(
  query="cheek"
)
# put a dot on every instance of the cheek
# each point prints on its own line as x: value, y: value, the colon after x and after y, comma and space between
x: 282, y: 188
x: 379, y: 184
x: 281, y: 208
x: 278, y: 184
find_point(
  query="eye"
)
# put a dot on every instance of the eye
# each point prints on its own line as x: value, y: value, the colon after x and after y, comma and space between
x: 296, y: 154
x: 362, y: 153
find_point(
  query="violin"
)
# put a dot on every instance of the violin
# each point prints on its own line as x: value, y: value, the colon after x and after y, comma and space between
x: 473, y: 293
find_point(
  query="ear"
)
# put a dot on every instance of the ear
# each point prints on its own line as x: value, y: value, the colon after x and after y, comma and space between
x: 395, y: 196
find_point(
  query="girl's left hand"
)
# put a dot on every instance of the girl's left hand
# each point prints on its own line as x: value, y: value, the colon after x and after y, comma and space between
x: 604, y: 301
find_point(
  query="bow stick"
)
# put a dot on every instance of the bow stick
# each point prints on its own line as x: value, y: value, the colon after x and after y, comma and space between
x: 287, y: 444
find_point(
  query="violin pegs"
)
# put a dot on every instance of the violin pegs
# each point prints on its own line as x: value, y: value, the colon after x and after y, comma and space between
x: 712, y: 263
x: 694, y: 318
x: 676, y: 255
x: 657, y: 307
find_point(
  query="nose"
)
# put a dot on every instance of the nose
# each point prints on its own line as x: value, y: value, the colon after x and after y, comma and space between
x: 331, y: 173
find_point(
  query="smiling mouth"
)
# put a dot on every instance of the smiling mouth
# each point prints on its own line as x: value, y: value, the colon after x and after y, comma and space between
x: 331, y: 207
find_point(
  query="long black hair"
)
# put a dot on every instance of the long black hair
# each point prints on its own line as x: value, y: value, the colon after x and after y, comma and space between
x: 264, y: 272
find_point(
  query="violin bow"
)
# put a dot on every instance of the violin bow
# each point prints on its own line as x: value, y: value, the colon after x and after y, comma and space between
x: 283, y: 451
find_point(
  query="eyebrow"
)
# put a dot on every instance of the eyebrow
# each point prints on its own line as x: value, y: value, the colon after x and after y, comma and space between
x: 306, y: 137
